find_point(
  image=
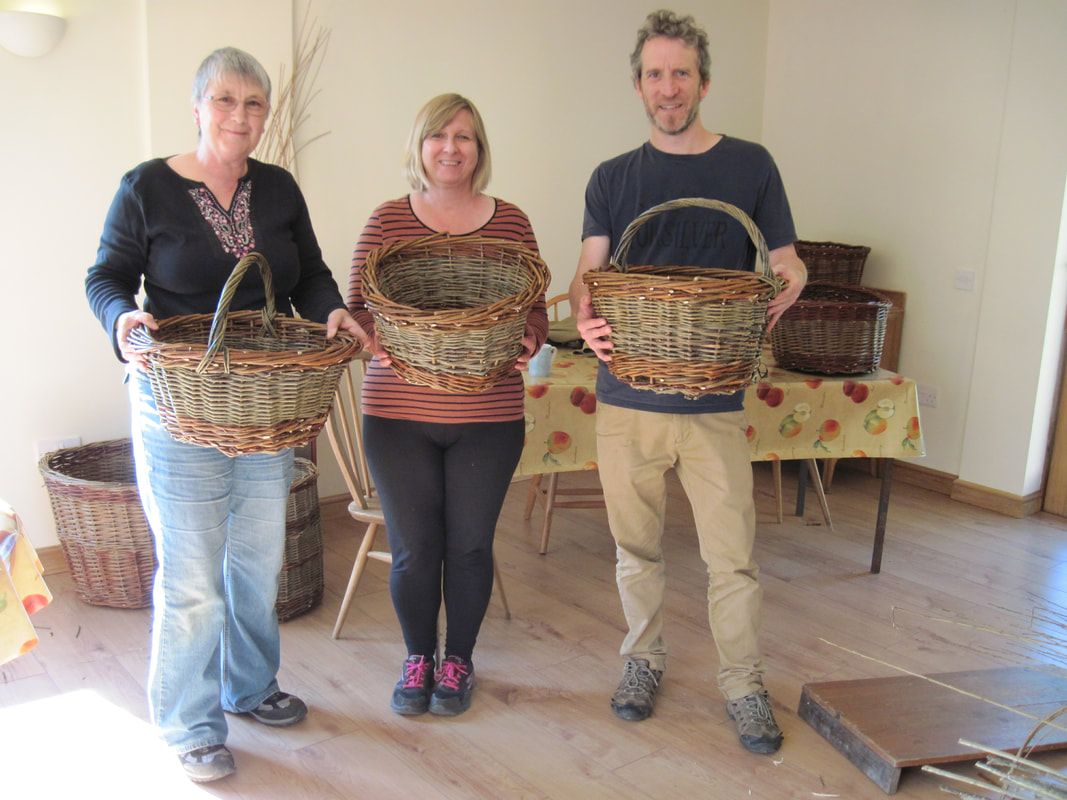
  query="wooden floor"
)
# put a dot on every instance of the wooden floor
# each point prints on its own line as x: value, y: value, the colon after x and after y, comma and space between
x: 540, y: 725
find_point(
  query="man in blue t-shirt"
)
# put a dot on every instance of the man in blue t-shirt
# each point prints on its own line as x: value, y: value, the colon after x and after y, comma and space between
x: 642, y: 434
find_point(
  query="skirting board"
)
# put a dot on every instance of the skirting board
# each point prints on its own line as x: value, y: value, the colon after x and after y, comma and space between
x: 53, y: 560
x: 1010, y: 505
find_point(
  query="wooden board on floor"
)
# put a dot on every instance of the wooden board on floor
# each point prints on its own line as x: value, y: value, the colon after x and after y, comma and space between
x: 883, y: 725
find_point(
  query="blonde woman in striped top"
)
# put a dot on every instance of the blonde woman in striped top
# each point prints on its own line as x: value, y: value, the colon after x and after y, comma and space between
x: 442, y: 462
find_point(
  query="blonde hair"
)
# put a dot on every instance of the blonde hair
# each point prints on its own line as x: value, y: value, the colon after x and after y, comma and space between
x: 432, y: 117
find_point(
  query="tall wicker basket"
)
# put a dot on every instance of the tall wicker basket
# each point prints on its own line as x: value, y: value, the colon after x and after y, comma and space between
x: 300, y: 584
x: 681, y: 329
x: 100, y: 523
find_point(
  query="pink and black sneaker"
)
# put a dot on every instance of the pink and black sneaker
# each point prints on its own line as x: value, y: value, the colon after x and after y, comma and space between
x: 455, y: 683
x: 411, y: 696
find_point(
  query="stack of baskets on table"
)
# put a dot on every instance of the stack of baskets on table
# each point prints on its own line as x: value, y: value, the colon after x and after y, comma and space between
x: 836, y: 327
x: 110, y: 549
x: 244, y: 382
x: 451, y: 310
x: 682, y: 329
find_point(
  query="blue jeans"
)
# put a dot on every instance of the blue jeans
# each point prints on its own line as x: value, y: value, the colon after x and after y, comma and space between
x: 219, y: 526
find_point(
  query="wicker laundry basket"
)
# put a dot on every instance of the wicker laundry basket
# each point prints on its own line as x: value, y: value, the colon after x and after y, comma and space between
x: 832, y: 329
x: 247, y: 381
x: 681, y: 329
x: 100, y: 523
x: 300, y: 584
x: 451, y: 310
x: 833, y: 262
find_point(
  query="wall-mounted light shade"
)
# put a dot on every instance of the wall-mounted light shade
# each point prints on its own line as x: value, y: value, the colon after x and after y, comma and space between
x: 27, y: 33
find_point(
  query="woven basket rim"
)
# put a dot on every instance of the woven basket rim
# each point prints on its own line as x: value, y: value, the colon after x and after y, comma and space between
x: 873, y: 296
x: 827, y: 245
x: 513, y: 304
x: 50, y: 473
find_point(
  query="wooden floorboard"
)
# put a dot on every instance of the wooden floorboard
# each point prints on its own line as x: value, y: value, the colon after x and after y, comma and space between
x: 541, y: 725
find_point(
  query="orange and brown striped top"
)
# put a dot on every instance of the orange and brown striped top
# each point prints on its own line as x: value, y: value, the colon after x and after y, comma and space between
x: 387, y: 395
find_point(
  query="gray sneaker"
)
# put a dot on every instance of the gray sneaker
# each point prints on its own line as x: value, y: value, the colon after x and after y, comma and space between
x: 207, y: 763
x: 636, y: 695
x: 754, y: 718
x: 279, y: 710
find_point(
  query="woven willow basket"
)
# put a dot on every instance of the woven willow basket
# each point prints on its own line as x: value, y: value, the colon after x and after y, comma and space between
x: 832, y: 329
x: 300, y: 584
x: 451, y: 310
x: 100, y: 523
x: 246, y: 382
x: 690, y: 330
x: 833, y: 262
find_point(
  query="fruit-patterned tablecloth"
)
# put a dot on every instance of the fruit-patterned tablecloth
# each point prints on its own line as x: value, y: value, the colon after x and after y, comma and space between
x: 790, y: 416
x: 22, y: 587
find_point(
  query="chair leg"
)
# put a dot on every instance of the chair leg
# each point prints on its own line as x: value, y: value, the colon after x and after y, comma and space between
x: 829, y: 465
x: 531, y: 495
x: 499, y: 585
x: 816, y: 482
x: 357, y: 573
x: 776, y: 470
x: 550, y: 504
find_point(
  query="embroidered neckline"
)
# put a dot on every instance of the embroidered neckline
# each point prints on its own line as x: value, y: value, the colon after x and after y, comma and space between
x: 233, y: 228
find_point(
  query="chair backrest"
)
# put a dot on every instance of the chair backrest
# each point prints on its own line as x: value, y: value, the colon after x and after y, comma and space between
x: 344, y: 429
x: 553, y: 305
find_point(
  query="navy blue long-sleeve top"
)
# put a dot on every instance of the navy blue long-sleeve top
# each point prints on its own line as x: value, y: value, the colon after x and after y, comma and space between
x: 171, y: 233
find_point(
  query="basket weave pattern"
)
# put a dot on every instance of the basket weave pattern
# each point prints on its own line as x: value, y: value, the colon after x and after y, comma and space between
x: 832, y: 329
x: 243, y: 382
x: 301, y: 584
x: 451, y: 310
x: 833, y: 262
x: 100, y: 523
x: 689, y: 330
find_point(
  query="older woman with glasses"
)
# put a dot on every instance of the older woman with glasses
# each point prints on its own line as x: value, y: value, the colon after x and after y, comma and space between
x: 179, y: 225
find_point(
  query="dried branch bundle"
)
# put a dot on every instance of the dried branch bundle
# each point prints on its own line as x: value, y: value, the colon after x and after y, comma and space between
x: 293, y: 98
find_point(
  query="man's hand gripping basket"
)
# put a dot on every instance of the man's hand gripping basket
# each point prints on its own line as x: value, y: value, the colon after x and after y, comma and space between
x: 679, y: 329
x: 246, y: 382
x: 451, y: 310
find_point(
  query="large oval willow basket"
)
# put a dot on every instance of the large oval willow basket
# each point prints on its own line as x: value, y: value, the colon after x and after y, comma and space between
x: 246, y: 382
x: 686, y: 330
x: 451, y: 310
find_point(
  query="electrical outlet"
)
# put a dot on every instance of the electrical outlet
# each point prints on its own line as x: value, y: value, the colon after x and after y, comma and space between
x: 42, y: 446
x: 965, y: 280
x: 927, y: 396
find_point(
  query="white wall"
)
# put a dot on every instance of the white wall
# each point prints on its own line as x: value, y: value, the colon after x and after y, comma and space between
x: 932, y: 131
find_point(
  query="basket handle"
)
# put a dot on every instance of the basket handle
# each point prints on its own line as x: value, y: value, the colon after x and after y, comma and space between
x: 218, y: 324
x: 762, y: 258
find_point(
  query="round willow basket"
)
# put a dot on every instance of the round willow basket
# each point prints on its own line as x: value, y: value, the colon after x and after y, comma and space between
x: 300, y: 583
x: 451, y: 310
x: 686, y: 330
x: 246, y: 382
x: 832, y: 329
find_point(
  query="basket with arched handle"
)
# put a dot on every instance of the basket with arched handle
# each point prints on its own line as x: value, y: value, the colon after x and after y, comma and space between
x: 246, y: 381
x: 689, y: 330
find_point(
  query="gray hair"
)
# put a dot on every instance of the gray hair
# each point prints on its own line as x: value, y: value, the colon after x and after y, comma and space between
x: 432, y: 117
x: 672, y: 26
x: 229, y: 61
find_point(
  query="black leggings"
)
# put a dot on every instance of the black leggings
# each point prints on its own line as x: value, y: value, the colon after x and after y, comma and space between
x: 441, y: 486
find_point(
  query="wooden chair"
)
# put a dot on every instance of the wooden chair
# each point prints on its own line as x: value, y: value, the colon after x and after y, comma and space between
x: 549, y: 493
x: 345, y: 432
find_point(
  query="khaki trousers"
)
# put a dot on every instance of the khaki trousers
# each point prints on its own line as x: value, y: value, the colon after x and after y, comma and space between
x: 710, y: 455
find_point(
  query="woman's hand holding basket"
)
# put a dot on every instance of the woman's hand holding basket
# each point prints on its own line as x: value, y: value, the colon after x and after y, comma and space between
x: 125, y: 325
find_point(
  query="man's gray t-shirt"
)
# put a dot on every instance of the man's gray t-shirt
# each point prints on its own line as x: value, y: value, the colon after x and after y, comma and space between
x: 734, y: 171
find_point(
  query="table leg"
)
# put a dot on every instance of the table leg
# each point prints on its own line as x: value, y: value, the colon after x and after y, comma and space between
x: 550, y: 506
x: 776, y: 471
x: 802, y: 487
x: 883, y: 511
x: 816, y: 481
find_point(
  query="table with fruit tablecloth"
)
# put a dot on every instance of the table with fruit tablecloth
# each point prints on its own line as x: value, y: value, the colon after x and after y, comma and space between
x: 791, y: 417
x: 22, y: 587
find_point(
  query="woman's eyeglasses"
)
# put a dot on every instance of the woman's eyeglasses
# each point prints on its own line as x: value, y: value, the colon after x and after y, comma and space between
x: 254, y: 106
